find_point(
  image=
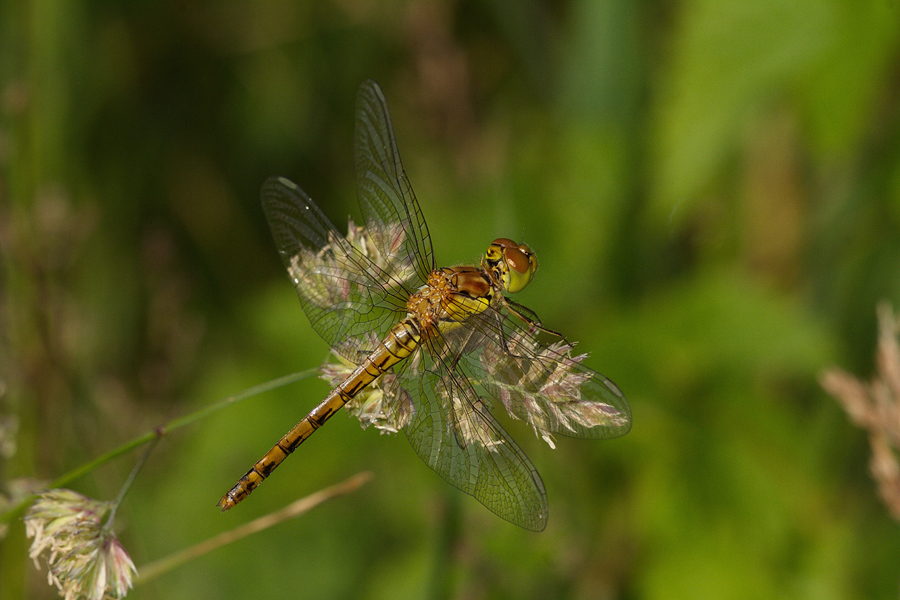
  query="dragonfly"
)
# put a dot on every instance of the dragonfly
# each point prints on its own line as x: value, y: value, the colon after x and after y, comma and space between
x: 430, y: 350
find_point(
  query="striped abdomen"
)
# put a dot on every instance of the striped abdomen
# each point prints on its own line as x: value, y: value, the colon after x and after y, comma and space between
x: 399, y: 343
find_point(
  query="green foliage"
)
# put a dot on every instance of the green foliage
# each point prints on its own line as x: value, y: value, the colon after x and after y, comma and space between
x: 713, y: 192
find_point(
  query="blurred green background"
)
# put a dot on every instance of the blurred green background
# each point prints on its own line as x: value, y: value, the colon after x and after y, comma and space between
x: 712, y: 188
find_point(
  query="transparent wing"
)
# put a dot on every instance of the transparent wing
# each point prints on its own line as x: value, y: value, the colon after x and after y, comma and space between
x: 509, y: 359
x: 453, y: 432
x: 347, y: 286
x: 385, y: 194
x: 535, y: 376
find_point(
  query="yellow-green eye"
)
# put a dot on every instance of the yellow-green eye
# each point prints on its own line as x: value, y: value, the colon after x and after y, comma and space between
x: 513, y: 265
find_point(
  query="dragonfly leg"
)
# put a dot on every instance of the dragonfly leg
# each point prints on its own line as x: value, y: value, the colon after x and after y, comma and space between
x: 530, y: 317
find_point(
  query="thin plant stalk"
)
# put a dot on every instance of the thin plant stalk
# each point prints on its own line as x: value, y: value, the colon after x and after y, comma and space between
x: 156, y: 434
x: 295, y: 509
x: 111, y: 517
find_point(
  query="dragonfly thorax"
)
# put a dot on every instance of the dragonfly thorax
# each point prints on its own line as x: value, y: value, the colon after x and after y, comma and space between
x: 450, y: 296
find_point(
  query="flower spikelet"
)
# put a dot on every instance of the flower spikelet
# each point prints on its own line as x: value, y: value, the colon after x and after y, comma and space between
x: 875, y: 407
x: 83, y: 555
x: 544, y: 385
x: 335, y: 275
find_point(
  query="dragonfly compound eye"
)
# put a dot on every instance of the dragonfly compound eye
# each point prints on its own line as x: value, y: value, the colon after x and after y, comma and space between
x: 521, y: 265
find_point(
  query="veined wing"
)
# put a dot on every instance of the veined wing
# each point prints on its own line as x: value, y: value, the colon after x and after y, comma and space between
x: 536, y: 377
x: 385, y: 194
x: 454, y: 433
x: 347, y: 287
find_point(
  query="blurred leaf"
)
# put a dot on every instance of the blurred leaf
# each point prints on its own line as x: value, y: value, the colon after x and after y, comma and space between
x: 840, y: 94
x: 730, y: 59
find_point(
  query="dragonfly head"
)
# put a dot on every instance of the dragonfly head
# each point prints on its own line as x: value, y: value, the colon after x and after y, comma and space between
x: 512, y: 265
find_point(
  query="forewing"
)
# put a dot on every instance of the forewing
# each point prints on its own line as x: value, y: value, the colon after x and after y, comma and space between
x: 534, y: 374
x: 347, y: 288
x: 453, y: 432
x: 385, y: 194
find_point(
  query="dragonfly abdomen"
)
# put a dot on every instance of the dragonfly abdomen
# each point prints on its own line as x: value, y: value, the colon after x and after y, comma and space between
x: 399, y: 343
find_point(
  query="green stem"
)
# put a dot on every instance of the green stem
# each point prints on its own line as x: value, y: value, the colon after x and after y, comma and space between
x: 156, y: 434
x: 111, y: 517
